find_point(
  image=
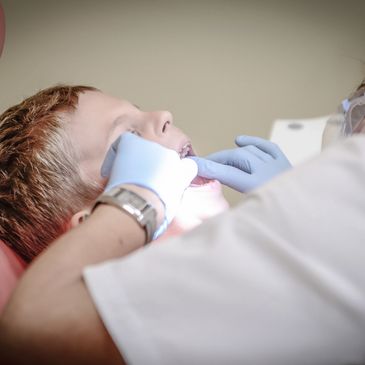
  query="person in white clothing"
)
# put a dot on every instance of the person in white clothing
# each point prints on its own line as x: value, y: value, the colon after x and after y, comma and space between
x: 278, y: 280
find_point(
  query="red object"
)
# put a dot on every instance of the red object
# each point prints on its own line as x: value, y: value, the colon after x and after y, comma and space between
x: 2, y: 29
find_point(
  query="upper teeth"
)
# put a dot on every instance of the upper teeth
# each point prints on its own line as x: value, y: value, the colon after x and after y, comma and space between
x: 185, y: 150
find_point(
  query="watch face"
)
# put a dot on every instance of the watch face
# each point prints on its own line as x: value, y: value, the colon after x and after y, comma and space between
x: 138, y: 202
x: 130, y: 202
x: 128, y: 197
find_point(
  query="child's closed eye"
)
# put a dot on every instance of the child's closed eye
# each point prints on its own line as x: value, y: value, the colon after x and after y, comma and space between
x: 134, y: 131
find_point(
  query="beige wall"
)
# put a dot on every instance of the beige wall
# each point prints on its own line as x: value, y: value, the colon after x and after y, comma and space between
x: 222, y: 67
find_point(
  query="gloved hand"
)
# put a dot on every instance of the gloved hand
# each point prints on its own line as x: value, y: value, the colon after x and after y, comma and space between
x: 134, y: 160
x: 245, y: 168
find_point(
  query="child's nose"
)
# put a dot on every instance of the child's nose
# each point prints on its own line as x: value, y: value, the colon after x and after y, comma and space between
x: 162, y: 120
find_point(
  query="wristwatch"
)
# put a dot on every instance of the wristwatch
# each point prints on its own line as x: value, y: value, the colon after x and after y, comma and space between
x: 130, y: 202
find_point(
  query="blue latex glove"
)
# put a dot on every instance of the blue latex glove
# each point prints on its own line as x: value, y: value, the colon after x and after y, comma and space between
x: 245, y: 168
x: 134, y: 160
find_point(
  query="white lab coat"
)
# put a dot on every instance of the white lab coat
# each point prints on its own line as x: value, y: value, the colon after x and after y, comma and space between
x: 278, y: 280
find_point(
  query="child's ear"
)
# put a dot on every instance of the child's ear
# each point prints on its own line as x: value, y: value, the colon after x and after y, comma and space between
x: 79, y: 217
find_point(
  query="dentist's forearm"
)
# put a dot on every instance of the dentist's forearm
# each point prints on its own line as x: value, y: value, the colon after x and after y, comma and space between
x: 51, y: 317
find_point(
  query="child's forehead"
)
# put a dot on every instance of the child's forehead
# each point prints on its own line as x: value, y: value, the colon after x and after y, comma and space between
x: 100, y: 102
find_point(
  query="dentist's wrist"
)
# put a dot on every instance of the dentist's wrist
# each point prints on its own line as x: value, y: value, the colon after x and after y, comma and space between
x: 141, y: 204
x: 150, y: 197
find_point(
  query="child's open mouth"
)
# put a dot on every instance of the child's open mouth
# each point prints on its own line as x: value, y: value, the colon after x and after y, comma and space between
x: 186, y: 151
x: 199, y: 180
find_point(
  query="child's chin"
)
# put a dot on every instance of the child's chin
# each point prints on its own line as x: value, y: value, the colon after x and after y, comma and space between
x: 199, y: 181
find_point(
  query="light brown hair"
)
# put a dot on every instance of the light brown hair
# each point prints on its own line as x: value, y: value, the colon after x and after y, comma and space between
x: 40, y: 182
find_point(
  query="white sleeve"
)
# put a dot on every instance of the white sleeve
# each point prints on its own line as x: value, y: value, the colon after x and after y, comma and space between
x: 277, y: 280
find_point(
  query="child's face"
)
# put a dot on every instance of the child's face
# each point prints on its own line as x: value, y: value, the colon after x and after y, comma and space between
x: 99, y: 119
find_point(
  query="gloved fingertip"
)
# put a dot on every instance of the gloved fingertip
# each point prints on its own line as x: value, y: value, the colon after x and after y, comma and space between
x: 189, y: 171
x: 242, y: 136
x: 109, y: 158
x: 244, y: 140
x: 190, y: 164
x: 107, y: 165
x: 198, y: 160
x: 202, y: 165
x: 104, y: 171
x: 241, y: 139
x: 194, y: 158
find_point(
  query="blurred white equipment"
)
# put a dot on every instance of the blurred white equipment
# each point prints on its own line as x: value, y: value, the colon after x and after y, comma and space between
x: 299, y: 139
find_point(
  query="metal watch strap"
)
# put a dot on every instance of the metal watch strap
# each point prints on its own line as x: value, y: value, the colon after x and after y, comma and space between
x: 132, y: 203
